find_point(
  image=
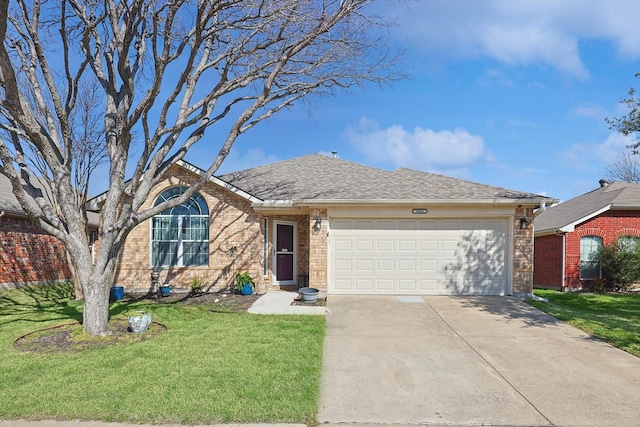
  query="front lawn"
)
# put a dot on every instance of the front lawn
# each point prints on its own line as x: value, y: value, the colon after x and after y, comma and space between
x: 207, y: 367
x: 614, y: 318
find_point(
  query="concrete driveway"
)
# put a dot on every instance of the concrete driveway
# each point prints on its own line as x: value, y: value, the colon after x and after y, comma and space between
x: 469, y: 361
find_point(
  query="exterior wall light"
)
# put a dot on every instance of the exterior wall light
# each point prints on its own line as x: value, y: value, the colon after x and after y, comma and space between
x: 524, y: 223
x: 318, y: 224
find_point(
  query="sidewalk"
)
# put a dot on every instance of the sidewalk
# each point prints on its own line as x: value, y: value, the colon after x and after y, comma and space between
x: 77, y: 423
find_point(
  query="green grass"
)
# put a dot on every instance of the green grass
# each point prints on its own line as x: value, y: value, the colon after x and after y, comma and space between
x: 614, y: 318
x: 206, y: 368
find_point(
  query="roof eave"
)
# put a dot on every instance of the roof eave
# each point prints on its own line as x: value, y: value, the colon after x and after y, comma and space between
x: 276, y: 204
x: 570, y: 227
x: 93, y: 204
x: 325, y: 202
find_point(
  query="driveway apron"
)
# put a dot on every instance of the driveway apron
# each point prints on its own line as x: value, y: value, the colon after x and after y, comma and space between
x: 469, y: 361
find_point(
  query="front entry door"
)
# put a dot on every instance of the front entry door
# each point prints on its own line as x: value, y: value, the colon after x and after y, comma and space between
x: 285, y: 254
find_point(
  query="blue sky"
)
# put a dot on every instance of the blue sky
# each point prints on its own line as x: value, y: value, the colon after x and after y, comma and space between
x: 506, y: 93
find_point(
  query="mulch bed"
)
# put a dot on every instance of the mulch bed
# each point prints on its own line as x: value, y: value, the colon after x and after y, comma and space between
x: 218, y: 301
x: 69, y: 337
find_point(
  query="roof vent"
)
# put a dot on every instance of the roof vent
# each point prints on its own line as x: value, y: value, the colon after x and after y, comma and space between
x: 335, y: 154
x: 603, y: 183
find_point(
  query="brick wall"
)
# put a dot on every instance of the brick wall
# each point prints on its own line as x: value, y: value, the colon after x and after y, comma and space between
x: 547, y: 270
x: 610, y: 226
x: 523, y: 252
x: 28, y: 255
x: 318, y: 249
x: 233, y: 224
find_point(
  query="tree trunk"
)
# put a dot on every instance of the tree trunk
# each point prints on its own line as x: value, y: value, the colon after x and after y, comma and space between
x: 78, y: 293
x: 95, y: 318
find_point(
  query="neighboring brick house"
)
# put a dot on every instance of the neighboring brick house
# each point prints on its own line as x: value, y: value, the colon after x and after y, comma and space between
x: 28, y: 255
x: 569, y: 235
x: 339, y: 226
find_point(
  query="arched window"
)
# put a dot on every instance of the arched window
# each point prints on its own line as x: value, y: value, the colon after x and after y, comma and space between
x: 629, y: 243
x: 180, y: 235
x: 589, y: 257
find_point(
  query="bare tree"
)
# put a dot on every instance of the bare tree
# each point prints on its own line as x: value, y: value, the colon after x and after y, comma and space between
x: 625, y: 167
x: 164, y: 72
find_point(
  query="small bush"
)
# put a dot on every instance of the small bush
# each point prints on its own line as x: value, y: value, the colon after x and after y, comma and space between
x: 197, y: 286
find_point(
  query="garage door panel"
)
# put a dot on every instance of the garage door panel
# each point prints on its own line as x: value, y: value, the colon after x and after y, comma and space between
x: 428, y: 285
x: 364, y: 265
x: 385, y: 285
x: 342, y: 245
x: 342, y: 265
x: 450, y: 245
x: 428, y: 265
x: 385, y: 265
x: 407, y: 265
x: 364, y: 284
x: 342, y: 284
x: 407, y: 285
x: 407, y: 245
x: 418, y: 256
x: 429, y: 245
x: 364, y: 245
x: 386, y: 245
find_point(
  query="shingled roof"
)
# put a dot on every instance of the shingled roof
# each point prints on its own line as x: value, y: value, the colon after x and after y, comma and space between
x: 9, y: 203
x: 565, y: 216
x: 318, y: 178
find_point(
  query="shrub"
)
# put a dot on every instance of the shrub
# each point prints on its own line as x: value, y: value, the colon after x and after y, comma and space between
x: 197, y: 286
x: 620, y: 267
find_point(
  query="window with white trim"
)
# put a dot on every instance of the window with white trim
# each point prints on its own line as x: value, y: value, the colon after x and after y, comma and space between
x: 180, y: 235
x: 589, y: 257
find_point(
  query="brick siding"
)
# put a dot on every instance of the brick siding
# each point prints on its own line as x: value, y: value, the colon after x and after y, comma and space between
x: 233, y: 224
x: 547, y: 270
x: 609, y: 226
x: 318, y: 244
x: 28, y: 255
x: 523, y: 252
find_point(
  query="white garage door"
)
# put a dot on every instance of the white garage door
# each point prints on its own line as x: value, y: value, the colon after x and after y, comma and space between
x: 418, y: 257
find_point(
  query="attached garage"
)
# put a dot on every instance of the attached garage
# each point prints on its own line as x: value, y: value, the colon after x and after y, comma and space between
x: 363, y: 230
x: 452, y: 256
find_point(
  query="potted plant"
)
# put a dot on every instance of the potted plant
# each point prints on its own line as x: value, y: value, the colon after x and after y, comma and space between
x: 244, y: 283
x: 116, y: 293
x: 165, y: 289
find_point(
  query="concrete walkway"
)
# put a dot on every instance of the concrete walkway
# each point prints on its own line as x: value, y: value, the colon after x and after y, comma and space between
x: 469, y: 361
x: 279, y: 302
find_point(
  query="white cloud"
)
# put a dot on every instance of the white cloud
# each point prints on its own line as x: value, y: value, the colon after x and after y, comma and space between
x: 521, y: 33
x: 443, y: 151
x: 596, y: 155
x: 238, y: 160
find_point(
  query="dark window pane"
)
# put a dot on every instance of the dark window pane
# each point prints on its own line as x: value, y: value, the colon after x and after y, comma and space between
x: 284, y: 267
x: 285, y: 238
